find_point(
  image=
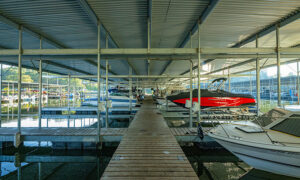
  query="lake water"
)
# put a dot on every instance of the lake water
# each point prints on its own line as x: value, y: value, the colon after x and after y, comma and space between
x: 40, y: 161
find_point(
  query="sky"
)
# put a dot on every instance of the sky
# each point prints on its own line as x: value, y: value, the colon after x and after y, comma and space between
x: 285, y: 70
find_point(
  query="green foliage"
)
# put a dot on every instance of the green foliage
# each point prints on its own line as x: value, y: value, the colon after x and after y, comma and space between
x: 10, y: 73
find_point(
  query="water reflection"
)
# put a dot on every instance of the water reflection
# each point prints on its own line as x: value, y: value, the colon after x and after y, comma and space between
x: 40, y: 161
x: 46, y: 163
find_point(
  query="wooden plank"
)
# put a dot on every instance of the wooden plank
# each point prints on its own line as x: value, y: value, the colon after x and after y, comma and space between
x: 150, y: 178
x: 149, y: 149
x: 149, y: 174
x: 149, y: 169
x: 185, y: 165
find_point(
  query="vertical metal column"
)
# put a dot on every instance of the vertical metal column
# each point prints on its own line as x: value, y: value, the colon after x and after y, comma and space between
x: 106, y: 83
x: 106, y: 92
x: 40, y: 171
x: 68, y: 100
x: 0, y: 94
x: 250, y: 79
x: 229, y: 81
x: 278, y: 66
x: 191, y: 44
x: 148, y: 44
x: 99, y: 81
x: 199, y: 85
x: 257, y: 79
x: 191, y: 85
x: 19, y: 172
x: 40, y: 87
x: 191, y: 94
x: 298, y: 89
x: 167, y: 102
x: 74, y: 92
x: 8, y: 100
x: 60, y: 94
x: 19, y: 78
x: 130, y: 90
x: 13, y: 96
x: 47, y: 89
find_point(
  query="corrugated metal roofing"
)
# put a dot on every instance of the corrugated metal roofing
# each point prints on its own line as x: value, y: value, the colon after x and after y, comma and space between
x: 69, y: 25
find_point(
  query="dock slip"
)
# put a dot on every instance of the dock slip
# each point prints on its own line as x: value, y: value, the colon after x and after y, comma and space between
x: 149, y: 150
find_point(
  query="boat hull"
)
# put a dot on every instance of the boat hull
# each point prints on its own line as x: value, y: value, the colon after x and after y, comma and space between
x: 275, y: 161
x: 207, y: 102
x: 214, y: 98
x: 116, y: 101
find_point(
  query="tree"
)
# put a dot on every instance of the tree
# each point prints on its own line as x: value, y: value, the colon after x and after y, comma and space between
x: 26, y: 78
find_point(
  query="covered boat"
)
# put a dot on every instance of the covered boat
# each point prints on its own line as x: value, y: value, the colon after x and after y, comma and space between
x: 214, y: 97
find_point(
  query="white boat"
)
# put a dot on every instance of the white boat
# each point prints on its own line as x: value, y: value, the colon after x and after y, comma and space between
x: 274, y: 148
x: 117, y: 101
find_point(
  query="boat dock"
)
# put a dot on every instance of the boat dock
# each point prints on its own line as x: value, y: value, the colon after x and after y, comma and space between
x: 86, y: 112
x: 149, y: 150
x: 82, y: 135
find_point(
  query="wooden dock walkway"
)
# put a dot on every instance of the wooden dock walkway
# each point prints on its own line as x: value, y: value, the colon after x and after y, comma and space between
x: 63, y: 134
x: 148, y: 150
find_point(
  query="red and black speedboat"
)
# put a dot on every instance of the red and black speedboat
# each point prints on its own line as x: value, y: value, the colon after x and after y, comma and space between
x: 215, y: 97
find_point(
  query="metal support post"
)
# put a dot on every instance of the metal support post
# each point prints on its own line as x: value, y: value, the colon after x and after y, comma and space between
x: 229, y: 81
x: 148, y: 44
x: 68, y: 100
x: 19, y: 172
x: 47, y: 89
x: 106, y: 92
x: 257, y: 79
x: 74, y: 92
x: 60, y: 94
x: 199, y: 85
x: 12, y: 103
x: 40, y: 171
x: 278, y: 66
x: 40, y: 87
x: 298, y: 89
x: 250, y: 79
x: 8, y: 89
x: 191, y: 94
x: 99, y: 81
x: 106, y: 84
x: 130, y: 90
x: 167, y: 102
x: 19, y: 78
x: 0, y: 94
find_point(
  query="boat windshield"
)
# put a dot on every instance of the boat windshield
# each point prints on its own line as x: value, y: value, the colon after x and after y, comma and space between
x: 271, y: 116
x: 290, y: 125
x: 216, y: 84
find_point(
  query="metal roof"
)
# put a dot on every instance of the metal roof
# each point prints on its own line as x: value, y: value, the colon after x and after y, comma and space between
x: 67, y: 24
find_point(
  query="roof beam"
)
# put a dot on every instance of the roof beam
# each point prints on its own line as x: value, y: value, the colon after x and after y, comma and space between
x: 240, y: 64
x: 66, y: 67
x: 93, y: 17
x: 187, y: 52
x: 212, y: 4
x: 29, y: 67
x: 30, y: 31
x: 38, y: 35
x: 295, y: 15
x: 270, y: 65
